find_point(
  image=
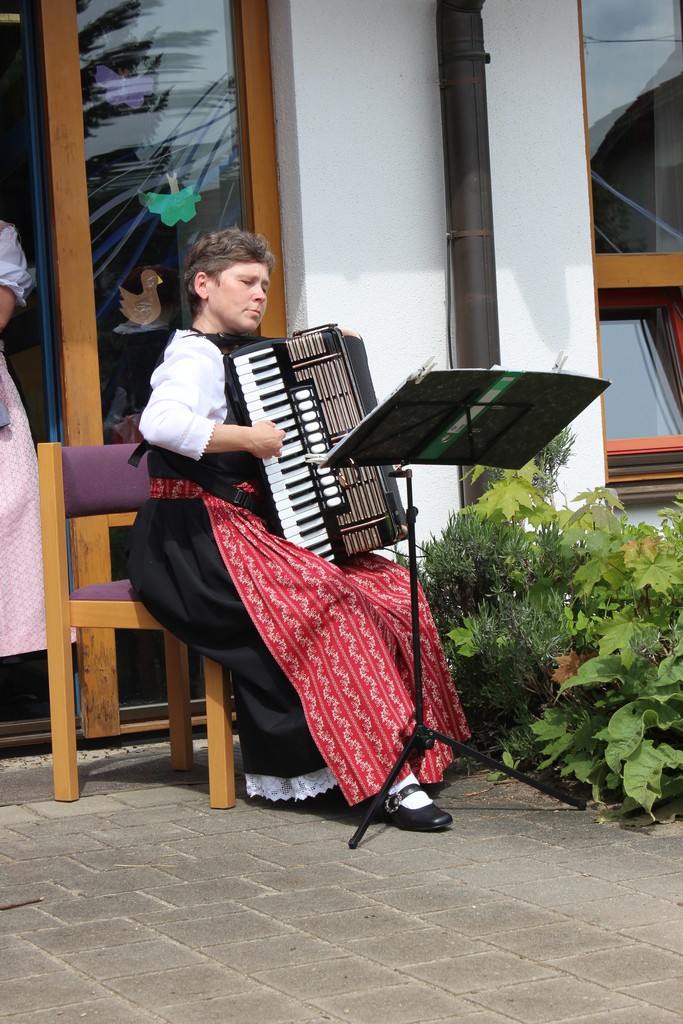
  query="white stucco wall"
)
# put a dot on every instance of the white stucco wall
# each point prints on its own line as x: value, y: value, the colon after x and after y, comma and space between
x: 541, y: 205
x: 358, y: 122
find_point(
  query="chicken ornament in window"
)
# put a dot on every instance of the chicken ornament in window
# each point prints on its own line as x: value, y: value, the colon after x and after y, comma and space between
x: 149, y: 303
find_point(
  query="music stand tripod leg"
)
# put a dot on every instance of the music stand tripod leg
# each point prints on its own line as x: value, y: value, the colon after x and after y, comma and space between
x: 417, y: 737
x: 490, y: 762
x: 422, y: 737
x: 382, y: 795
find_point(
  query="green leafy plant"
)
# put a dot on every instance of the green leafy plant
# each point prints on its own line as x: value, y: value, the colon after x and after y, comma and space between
x: 507, y: 759
x: 564, y: 635
x: 497, y: 591
x: 617, y: 721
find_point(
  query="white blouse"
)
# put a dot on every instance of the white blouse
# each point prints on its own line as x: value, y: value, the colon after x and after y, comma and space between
x: 13, y: 272
x: 188, y: 396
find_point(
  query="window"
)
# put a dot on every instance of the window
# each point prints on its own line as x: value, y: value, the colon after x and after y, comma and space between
x: 641, y: 343
x: 633, y: 54
x: 633, y: 63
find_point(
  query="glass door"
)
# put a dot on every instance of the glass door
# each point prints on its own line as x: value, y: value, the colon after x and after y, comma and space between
x: 147, y: 92
x: 161, y: 129
x: 162, y: 162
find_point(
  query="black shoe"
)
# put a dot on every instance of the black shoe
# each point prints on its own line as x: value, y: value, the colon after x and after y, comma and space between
x: 429, y: 818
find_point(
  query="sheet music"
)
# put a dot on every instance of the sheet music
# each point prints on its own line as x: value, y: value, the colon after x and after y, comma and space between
x: 417, y: 376
x: 496, y: 417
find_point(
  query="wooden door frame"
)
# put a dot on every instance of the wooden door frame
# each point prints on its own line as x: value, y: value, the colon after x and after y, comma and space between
x: 76, y: 330
x: 258, y: 146
x: 75, y: 319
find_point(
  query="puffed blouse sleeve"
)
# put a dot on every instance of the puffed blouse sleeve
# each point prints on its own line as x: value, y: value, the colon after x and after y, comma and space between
x: 188, y: 396
x: 13, y: 272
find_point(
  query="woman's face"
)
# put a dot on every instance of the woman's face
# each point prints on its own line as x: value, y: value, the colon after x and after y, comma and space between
x: 235, y: 301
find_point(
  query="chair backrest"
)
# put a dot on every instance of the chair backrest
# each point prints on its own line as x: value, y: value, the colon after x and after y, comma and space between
x: 98, y: 480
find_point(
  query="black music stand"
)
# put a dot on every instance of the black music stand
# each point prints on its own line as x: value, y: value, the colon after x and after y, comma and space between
x: 495, y: 418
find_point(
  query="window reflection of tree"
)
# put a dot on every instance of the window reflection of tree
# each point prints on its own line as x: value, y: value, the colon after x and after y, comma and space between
x: 199, y: 145
x: 180, y: 127
x: 185, y: 124
x: 641, y: 158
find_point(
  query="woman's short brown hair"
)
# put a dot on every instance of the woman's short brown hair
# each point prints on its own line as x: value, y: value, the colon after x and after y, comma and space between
x: 215, y: 251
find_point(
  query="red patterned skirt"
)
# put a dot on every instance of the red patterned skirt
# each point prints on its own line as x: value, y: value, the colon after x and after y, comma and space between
x: 342, y: 634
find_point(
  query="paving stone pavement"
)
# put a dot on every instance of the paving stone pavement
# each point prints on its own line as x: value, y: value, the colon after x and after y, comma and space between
x: 140, y: 904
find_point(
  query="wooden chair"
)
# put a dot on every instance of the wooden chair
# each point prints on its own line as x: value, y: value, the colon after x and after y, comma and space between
x: 97, y: 480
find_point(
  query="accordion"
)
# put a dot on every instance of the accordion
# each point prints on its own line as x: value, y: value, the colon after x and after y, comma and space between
x: 316, y: 386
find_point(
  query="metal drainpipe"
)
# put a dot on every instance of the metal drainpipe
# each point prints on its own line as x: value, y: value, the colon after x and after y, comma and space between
x: 472, y: 298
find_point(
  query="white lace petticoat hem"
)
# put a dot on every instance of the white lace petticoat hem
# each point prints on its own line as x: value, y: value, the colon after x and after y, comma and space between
x: 270, y: 787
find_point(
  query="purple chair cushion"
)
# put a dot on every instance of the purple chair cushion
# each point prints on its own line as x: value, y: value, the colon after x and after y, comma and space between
x: 119, y: 590
x: 98, y: 479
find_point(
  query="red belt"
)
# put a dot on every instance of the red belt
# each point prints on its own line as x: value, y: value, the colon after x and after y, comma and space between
x: 245, y: 495
x: 162, y: 487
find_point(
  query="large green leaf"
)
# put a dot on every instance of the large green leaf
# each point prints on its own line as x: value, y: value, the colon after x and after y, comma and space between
x: 635, y: 678
x: 617, y: 636
x: 513, y: 498
x: 628, y: 725
x: 626, y: 730
x: 643, y: 771
x: 655, y: 710
x: 584, y: 768
x: 661, y: 575
x: 595, y: 672
x: 588, y: 575
x: 670, y: 673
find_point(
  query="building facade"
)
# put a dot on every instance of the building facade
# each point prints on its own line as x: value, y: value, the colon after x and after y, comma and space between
x: 129, y: 129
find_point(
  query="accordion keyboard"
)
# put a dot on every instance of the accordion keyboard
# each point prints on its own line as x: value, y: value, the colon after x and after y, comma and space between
x: 300, y: 491
x: 306, y: 386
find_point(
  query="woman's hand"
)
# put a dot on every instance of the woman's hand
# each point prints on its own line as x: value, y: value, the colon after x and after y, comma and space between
x: 265, y: 440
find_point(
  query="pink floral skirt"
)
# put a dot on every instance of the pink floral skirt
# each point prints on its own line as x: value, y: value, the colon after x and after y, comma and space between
x: 22, y: 607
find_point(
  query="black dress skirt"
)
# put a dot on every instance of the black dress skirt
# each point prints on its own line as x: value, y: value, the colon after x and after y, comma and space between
x: 177, y: 569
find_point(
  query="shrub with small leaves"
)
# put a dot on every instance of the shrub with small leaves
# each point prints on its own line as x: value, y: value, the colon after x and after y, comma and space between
x: 497, y: 590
